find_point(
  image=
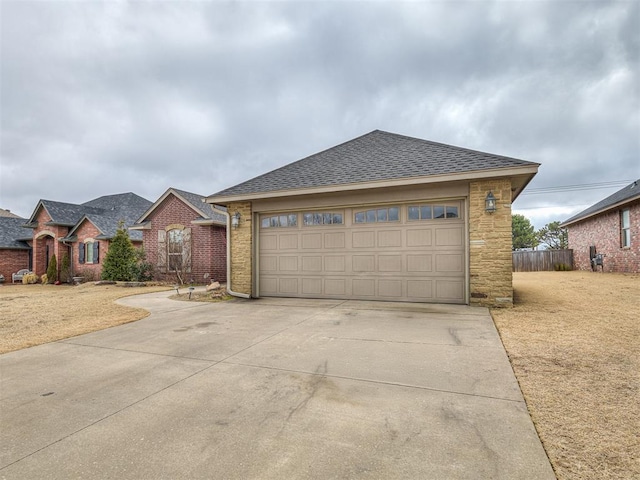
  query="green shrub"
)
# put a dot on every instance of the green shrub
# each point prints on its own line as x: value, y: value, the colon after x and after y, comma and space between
x: 121, y: 257
x: 52, y: 270
x: 65, y: 268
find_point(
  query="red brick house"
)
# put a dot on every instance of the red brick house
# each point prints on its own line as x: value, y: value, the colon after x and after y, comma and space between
x: 610, y: 228
x: 184, y: 238
x: 15, y: 251
x: 82, y: 231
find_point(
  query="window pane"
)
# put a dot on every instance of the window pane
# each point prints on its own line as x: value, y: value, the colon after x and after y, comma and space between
x: 265, y: 222
x: 438, y: 212
x: 626, y: 238
x: 371, y: 216
x: 308, y: 218
x: 337, y: 218
x: 88, y: 252
x: 425, y: 212
x: 625, y: 219
x: 360, y: 217
x: 414, y: 213
x: 283, y: 221
x: 327, y: 219
x: 293, y: 220
x: 382, y: 215
x: 274, y: 221
x: 452, y: 212
x: 394, y: 214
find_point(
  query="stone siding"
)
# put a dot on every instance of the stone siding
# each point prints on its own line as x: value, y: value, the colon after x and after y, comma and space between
x: 604, y: 232
x: 490, y: 261
x: 242, y: 249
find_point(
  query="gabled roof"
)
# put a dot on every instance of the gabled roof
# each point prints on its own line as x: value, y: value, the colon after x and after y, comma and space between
x: 622, y: 197
x: 378, y: 159
x: 107, y: 212
x: 208, y: 213
x: 12, y: 233
x: 61, y: 213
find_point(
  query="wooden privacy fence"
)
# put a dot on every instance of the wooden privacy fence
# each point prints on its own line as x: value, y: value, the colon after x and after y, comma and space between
x: 542, y: 260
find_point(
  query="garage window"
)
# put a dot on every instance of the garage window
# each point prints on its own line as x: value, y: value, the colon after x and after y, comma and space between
x: 322, y: 218
x: 285, y: 220
x: 377, y: 215
x: 430, y: 212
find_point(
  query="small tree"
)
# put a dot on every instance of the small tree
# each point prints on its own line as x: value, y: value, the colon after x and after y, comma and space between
x: 52, y: 270
x: 142, y: 271
x: 65, y: 268
x: 120, y: 259
x: 553, y: 236
x: 522, y: 232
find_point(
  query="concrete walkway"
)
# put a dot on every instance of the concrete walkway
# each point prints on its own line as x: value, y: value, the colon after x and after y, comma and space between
x: 271, y: 389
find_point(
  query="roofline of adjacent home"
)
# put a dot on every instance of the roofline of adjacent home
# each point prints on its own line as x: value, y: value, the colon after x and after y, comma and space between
x: 140, y: 223
x: 531, y: 168
x: 14, y: 247
x: 601, y: 211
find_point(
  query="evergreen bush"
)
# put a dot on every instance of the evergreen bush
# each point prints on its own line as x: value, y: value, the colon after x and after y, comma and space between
x: 65, y: 268
x: 120, y: 259
x: 52, y: 270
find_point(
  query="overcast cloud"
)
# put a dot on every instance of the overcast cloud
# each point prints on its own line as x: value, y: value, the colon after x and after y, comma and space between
x: 103, y: 98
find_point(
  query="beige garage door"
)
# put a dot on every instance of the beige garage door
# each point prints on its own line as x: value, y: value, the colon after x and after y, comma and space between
x: 407, y: 252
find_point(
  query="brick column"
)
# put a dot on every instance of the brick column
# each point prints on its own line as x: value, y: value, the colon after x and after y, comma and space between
x: 241, y: 239
x: 490, y: 258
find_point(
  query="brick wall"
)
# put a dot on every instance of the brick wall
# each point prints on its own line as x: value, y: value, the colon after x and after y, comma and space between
x: 242, y: 249
x: 603, y: 232
x: 90, y: 271
x: 11, y: 261
x: 490, y: 261
x: 208, y: 242
x: 45, y: 236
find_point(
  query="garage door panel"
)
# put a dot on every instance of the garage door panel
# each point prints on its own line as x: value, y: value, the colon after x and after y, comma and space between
x: 406, y: 260
x: 364, y: 287
x: 419, y: 237
x: 334, y: 263
x: 390, y: 238
x: 288, y: 241
x: 419, y: 262
x: 310, y: 241
x: 364, y: 239
x: 449, y: 237
x: 312, y: 264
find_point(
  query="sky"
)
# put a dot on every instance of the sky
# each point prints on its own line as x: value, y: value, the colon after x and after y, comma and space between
x: 98, y: 98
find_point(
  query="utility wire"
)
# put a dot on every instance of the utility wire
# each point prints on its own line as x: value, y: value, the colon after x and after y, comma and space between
x: 576, y: 188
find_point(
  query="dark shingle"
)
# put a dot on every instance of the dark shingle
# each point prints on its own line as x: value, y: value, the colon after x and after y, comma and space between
x: 12, y: 232
x: 108, y: 211
x: 376, y: 156
x: 208, y: 209
x: 628, y: 193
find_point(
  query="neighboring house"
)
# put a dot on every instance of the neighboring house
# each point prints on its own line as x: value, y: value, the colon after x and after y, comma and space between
x: 184, y: 237
x: 15, y: 251
x: 380, y: 217
x: 82, y: 231
x: 611, y: 227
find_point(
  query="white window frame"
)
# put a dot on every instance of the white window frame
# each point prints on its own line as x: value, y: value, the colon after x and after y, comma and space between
x: 625, y: 228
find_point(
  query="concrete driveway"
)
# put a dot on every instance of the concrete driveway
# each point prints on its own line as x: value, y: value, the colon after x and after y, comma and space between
x: 271, y: 389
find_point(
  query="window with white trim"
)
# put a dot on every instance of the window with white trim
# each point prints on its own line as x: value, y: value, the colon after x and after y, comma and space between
x: 625, y: 228
x: 89, y: 251
x: 322, y: 218
x: 278, y: 221
x: 432, y: 212
x: 377, y: 215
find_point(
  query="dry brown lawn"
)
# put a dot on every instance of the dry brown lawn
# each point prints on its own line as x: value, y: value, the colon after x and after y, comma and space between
x: 35, y: 314
x: 574, y: 342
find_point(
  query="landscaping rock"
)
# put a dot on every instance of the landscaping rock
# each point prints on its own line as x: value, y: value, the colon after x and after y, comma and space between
x: 213, y: 286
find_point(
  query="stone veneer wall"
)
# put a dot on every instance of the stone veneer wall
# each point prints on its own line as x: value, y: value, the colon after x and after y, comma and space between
x: 490, y: 257
x: 241, y: 239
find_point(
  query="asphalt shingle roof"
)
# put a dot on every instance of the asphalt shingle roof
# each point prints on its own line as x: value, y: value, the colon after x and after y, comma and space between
x: 12, y: 231
x: 628, y: 193
x: 376, y: 156
x: 207, y: 208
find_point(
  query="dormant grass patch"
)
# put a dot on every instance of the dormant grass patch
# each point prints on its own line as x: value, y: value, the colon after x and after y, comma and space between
x: 573, y: 339
x: 36, y: 314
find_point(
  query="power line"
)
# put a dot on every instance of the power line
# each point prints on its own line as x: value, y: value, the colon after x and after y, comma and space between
x: 577, y: 187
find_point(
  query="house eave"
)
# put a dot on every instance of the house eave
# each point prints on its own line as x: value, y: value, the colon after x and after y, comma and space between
x: 526, y: 171
x: 601, y: 211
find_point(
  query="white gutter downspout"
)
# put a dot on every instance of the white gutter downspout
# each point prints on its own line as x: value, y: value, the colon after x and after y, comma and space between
x: 229, y: 291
